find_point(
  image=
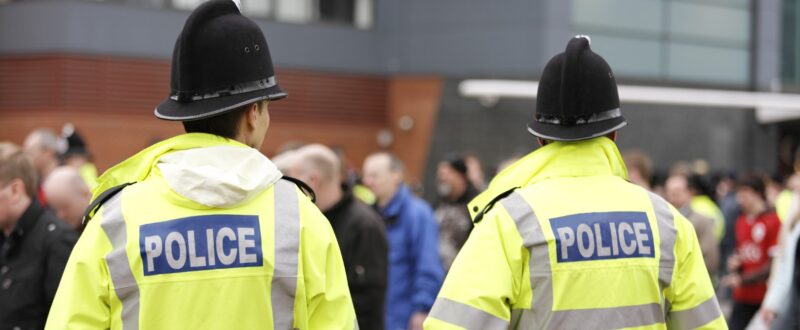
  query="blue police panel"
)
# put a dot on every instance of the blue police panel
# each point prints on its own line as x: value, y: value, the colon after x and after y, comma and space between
x: 200, y: 243
x: 605, y: 235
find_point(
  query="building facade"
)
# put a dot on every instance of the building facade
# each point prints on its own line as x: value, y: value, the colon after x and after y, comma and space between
x: 367, y: 75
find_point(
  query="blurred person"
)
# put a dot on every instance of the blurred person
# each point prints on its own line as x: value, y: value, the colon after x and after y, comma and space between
x: 351, y: 178
x: 475, y: 171
x: 780, y: 306
x: 34, y: 245
x: 703, y: 204
x: 201, y: 231
x: 756, y: 237
x: 773, y: 189
x: 455, y: 190
x: 640, y: 168
x: 359, y: 230
x: 677, y: 192
x: 415, y: 271
x: 553, y: 245
x: 284, y: 161
x: 68, y: 195
x: 43, y: 147
x: 784, y: 199
x: 78, y: 156
x: 726, y: 199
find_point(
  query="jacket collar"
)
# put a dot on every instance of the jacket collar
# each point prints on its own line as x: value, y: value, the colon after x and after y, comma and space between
x: 392, y: 210
x: 593, y: 157
x: 24, y: 226
x: 138, y: 167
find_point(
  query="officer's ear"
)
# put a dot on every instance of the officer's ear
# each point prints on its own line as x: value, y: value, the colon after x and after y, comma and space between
x: 612, y: 136
x: 542, y: 142
x: 252, y: 114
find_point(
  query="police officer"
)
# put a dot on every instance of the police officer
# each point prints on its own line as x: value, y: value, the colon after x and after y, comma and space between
x: 200, y: 231
x: 563, y: 241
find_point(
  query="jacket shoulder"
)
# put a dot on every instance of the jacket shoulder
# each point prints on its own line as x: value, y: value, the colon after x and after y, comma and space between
x: 302, y: 186
x: 105, y: 196
x: 479, y: 216
x: 365, y: 216
x: 55, y: 229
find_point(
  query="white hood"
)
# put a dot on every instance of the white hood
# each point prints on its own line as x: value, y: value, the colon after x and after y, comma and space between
x: 221, y: 176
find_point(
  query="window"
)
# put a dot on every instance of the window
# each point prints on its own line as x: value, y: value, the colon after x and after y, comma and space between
x: 685, y: 41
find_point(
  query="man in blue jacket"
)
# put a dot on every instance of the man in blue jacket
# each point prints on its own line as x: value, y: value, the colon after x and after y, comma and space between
x: 415, y: 271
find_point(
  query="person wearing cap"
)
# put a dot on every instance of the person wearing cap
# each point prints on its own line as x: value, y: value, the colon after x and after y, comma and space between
x: 563, y: 241
x: 78, y: 156
x: 201, y: 231
x: 455, y: 190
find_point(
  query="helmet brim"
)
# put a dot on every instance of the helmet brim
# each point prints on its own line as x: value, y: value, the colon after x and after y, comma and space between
x: 172, y: 110
x: 555, y: 132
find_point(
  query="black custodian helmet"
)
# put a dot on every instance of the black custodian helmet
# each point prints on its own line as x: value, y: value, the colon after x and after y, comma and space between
x: 577, y: 97
x: 221, y: 62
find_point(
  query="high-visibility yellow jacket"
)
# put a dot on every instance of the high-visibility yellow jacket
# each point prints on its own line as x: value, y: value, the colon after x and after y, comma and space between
x: 209, y: 237
x: 704, y: 205
x: 576, y: 247
x: 783, y: 203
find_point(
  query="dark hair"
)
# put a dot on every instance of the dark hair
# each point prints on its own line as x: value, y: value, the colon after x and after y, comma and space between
x: 754, y: 182
x: 225, y: 125
x: 699, y: 184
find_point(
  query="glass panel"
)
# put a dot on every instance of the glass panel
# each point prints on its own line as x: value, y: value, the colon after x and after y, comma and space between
x: 186, y: 4
x: 709, y: 22
x: 257, y: 8
x: 364, y: 14
x: 727, y: 3
x: 630, y: 57
x: 707, y: 64
x: 617, y: 14
x: 296, y: 11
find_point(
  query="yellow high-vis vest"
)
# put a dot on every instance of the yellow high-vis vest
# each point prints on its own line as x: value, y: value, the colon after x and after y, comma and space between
x: 151, y: 258
x: 577, y: 247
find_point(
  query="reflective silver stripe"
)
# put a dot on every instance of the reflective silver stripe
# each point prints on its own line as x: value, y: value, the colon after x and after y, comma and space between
x: 287, y: 245
x: 541, y: 277
x: 465, y: 316
x: 695, y: 317
x: 119, y: 267
x: 666, y: 232
x: 607, y: 318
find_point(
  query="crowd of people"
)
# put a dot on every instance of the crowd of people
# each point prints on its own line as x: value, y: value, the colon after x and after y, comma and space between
x: 162, y: 238
x: 397, y: 247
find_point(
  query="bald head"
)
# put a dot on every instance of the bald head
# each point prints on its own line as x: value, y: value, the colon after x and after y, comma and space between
x: 67, y: 194
x: 383, y: 174
x: 285, y: 161
x: 321, y: 161
x: 320, y: 168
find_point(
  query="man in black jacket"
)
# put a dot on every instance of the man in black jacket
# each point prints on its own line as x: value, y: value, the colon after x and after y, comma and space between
x: 358, y: 229
x: 34, y: 245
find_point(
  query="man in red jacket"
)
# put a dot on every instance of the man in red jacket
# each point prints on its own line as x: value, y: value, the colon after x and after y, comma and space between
x: 756, y: 237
